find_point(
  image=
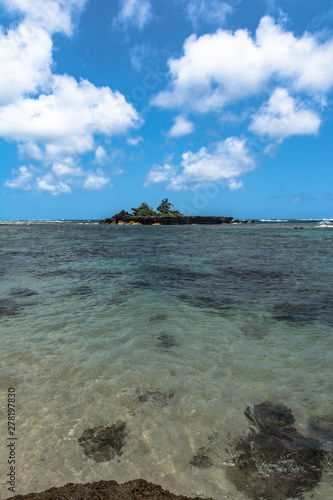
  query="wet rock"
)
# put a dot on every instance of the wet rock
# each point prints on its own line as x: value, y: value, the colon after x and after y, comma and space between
x: 82, y: 290
x: 22, y: 292
x: 201, y: 459
x: 286, y: 311
x: 156, y: 395
x: 167, y: 341
x: 158, y: 317
x: 8, y: 307
x: 207, y: 302
x: 116, y: 301
x: 322, y: 428
x: 139, y: 489
x: 275, y: 461
x: 253, y: 331
x: 103, y: 443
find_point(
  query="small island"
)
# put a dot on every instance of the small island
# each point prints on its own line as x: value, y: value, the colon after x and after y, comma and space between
x: 165, y: 215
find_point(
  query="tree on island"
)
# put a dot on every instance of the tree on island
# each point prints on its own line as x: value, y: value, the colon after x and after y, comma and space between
x: 164, y: 209
x: 144, y: 210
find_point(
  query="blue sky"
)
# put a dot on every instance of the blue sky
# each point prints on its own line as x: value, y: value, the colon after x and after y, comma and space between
x: 224, y: 107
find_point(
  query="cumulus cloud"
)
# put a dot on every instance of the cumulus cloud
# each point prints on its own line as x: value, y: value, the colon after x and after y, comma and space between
x: 100, y: 154
x: 210, y: 11
x: 25, y: 61
x: 72, y: 110
x: 51, y: 15
x: 224, y: 67
x: 223, y: 163
x: 96, y: 181
x: 181, y: 127
x: 60, y: 179
x: 282, y: 117
x: 23, y: 179
x: 134, y: 141
x: 54, y: 118
x: 134, y: 12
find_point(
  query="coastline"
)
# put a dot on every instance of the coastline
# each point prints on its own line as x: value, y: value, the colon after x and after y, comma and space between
x: 136, y: 489
x: 124, y: 218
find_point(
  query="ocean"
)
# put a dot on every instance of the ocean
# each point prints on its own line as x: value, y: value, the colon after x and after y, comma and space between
x: 174, y: 330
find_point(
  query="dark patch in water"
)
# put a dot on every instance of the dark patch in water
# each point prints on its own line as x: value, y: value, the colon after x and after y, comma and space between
x: 158, y: 317
x: 22, y: 292
x: 156, y: 395
x: 275, y: 461
x: 286, y: 311
x: 322, y: 427
x: 141, y: 284
x: 253, y: 331
x: 257, y: 274
x: 82, y: 290
x: 8, y: 307
x: 207, y: 302
x: 201, y: 459
x: 116, y: 300
x: 167, y: 341
x: 103, y: 443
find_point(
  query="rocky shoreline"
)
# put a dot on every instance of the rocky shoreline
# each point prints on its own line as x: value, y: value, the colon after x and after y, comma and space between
x: 125, y: 218
x: 107, y: 490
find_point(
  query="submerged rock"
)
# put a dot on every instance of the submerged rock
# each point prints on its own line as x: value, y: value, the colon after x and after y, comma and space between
x: 322, y: 427
x: 287, y: 311
x: 275, y: 461
x: 8, y: 307
x: 159, y: 317
x: 201, y: 459
x: 22, y: 292
x: 82, y: 290
x: 103, y: 443
x: 254, y: 331
x: 167, y: 341
x: 156, y: 395
x: 139, y: 489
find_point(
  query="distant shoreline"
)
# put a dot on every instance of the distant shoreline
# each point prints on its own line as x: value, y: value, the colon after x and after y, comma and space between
x: 156, y: 220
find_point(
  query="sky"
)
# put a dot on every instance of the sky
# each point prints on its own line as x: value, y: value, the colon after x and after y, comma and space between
x: 222, y: 106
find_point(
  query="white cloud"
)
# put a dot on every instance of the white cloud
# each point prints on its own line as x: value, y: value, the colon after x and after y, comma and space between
x: 23, y: 180
x: 53, y: 117
x: 224, y: 67
x: 51, y: 15
x: 134, y: 12
x: 61, y: 179
x: 57, y: 127
x: 223, y: 162
x: 96, y: 181
x: 210, y: 11
x: 47, y: 184
x: 25, y: 60
x: 134, y: 141
x: 181, y: 127
x: 68, y: 169
x: 282, y: 117
x: 72, y: 111
x: 100, y: 154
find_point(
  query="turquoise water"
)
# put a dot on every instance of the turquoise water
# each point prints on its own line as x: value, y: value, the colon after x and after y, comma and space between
x: 210, y: 319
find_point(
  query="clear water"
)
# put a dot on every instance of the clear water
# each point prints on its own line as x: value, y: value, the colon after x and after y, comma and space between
x: 222, y: 316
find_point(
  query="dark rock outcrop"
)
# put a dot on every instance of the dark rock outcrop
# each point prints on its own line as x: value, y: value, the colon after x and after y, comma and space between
x: 156, y: 395
x: 138, y: 489
x: 322, y: 427
x: 201, y: 459
x: 103, y: 443
x: 275, y: 461
x: 167, y: 341
x: 126, y: 218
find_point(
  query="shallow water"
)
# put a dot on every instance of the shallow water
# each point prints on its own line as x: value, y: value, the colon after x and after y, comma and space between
x: 221, y: 317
